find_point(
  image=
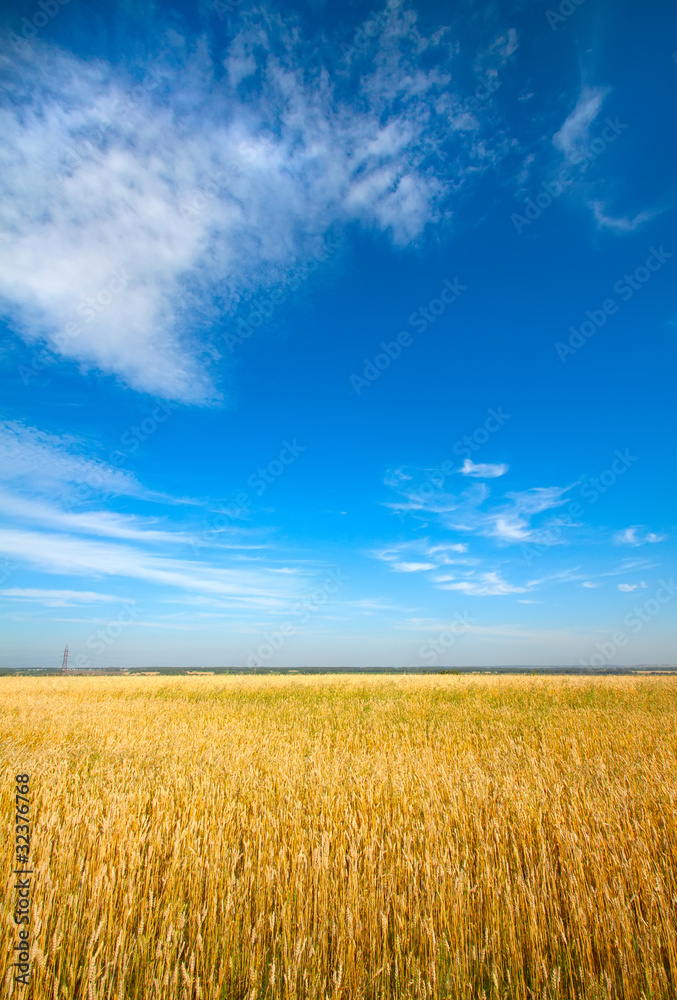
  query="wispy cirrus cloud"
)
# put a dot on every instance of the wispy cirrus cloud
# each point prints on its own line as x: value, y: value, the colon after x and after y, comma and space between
x: 139, y: 217
x: 621, y: 224
x: 422, y: 555
x: 70, y: 555
x: 580, y: 149
x: 453, y: 570
x: 58, y: 598
x: 576, y: 574
x: 489, y: 584
x: 41, y: 533
x: 482, y: 470
x: 573, y: 137
x: 48, y: 472
x: 97, y: 522
x: 515, y: 518
x: 510, y: 520
x: 412, y: 567
x: 635, y: 536
x: 46, y: 463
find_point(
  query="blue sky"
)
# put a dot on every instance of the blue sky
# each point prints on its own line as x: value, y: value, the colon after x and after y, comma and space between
x: 338, y: 334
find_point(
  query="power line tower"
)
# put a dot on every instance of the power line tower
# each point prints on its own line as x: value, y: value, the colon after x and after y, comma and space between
x: 64, y: 662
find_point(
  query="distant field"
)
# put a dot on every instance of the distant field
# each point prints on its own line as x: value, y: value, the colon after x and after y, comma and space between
x: 344, y: 837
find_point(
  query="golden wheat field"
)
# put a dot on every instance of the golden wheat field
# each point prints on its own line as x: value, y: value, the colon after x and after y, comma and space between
x: 344, y: 837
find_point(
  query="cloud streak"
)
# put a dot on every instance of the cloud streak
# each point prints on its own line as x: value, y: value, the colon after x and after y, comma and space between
x: 634, y: 536
x: 482, y: 470
x: 573, y: 137
x: 509, y: 522
x: 138, y: 218
x: 72, y: 556
x: 59, y: 598
x: 47, y: 462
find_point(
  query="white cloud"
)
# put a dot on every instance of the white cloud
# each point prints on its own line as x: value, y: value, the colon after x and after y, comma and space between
x: 370, y: 606
x: 411, y: 567
x: 621, y: 224
x: 570, y: 575
x: 626, y: 537
x: 73, y: 556
x: 509, y: 521
x: 630, y: 536
x: 573, y: 137
x: 627, y: 587
x: 98, y: 522
x: 538, y: 499
x: 484, y: 585
x: 512, y: 528
x: 59, y: 598
x: 440, y: 551
x: 38, y: 466
x: 145, y: 213
x: 464, y: 577
x: 575, y: 575
x: 419, y: 555
x: 483, y: 470
x: 629, y: 565
x: 424, y: 505
x: 578, y: 147
x: 48, y: 462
